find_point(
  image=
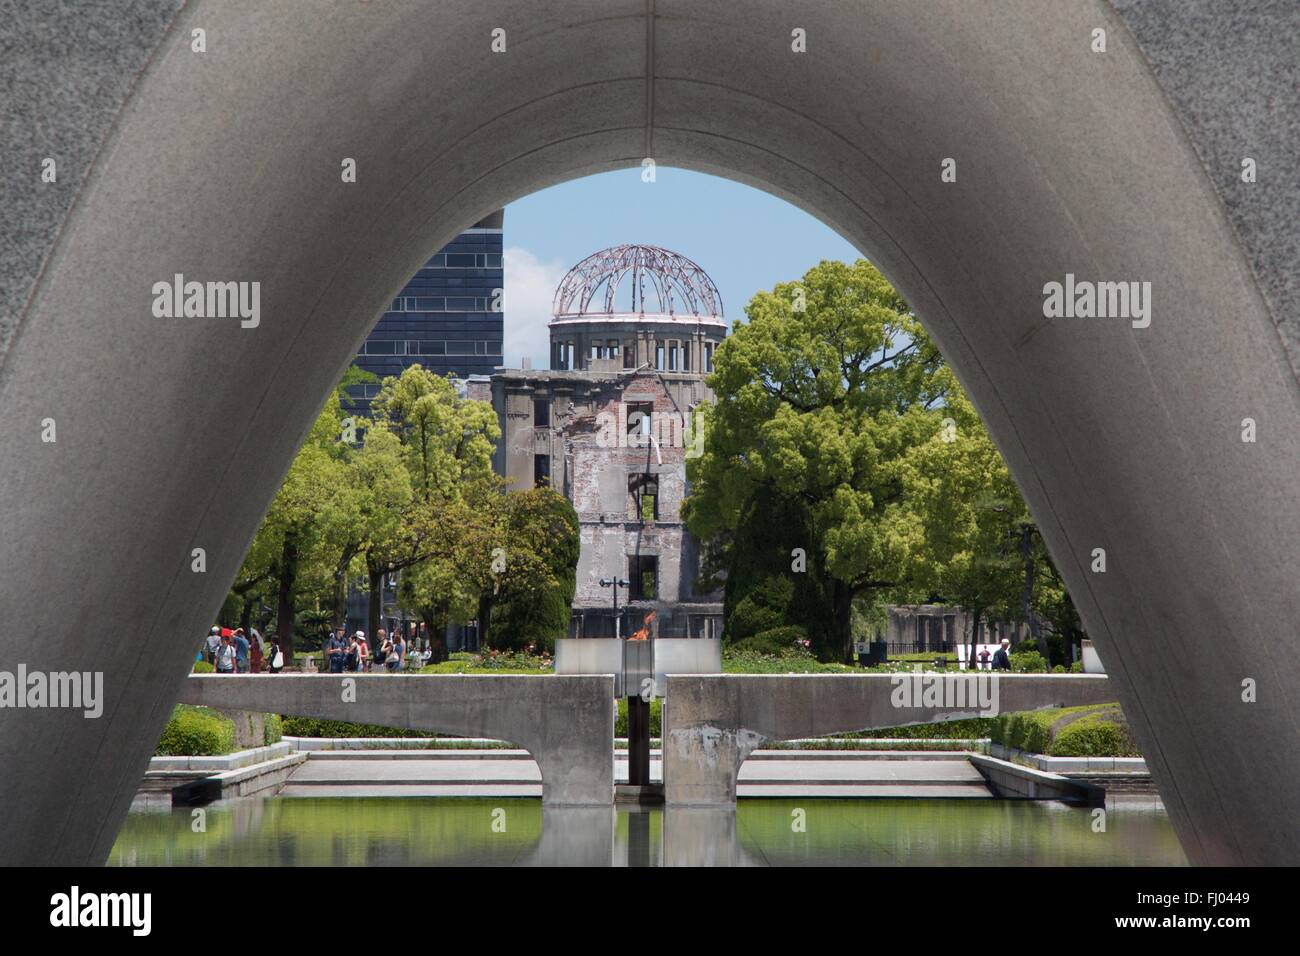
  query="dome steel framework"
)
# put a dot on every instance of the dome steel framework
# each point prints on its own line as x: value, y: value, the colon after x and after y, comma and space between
x: 665, y: 280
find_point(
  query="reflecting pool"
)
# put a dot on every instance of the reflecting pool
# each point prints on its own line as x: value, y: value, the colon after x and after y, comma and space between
x: 341, y: 831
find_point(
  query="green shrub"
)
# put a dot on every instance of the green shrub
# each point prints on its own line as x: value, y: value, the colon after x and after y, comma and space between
x: 316, y: 727
x: 1058, y: 669
x: 1076, y: 667
x: 1093, y: 736
x: 1091, y: 730
x: 1029, y: 731
x: 968, y: 728
x: 274, y: 728
x: 656, y: 717
x: 787, y: 641
x: 1028, y: 662
x: 203, y: 667
x: 196, y: 732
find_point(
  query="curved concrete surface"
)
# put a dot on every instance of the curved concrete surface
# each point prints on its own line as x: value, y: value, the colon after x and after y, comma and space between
x: 713, y: 722
x: 173, y: 434
x: 565, y: 723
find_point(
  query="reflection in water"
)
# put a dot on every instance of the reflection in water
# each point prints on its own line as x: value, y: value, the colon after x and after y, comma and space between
x: 505, y: 832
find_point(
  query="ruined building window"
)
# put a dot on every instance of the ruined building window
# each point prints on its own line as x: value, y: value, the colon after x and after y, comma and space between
x: 541, y: 471
x: 643, y: 490
x: 686, y: 356
x: 613, y: 348
x: 659, y: 356
x: 629, y: 353
x: 638, y: 423
x: 708, y: 356
x: 643, y: 572
x: 673, y: 349
x: 542, y: 412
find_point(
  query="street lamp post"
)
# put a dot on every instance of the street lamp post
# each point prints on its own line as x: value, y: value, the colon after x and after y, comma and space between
x: 615, y: 584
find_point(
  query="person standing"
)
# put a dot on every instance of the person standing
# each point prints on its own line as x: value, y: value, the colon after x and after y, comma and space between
x: 225, y: 656
x: 363, y: 652
x: 337, y: 651
x: 241, y: 651
x: 277, y: 656
x: 381, y: 647
x: 1001, y: 662
x: 257, y: 650
x: 213, y: 642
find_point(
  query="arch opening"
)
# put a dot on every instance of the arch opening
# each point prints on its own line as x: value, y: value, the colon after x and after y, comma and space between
x: 1119, y: 438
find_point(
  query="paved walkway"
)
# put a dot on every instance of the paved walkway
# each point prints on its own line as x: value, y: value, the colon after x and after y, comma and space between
x: 512, y: 773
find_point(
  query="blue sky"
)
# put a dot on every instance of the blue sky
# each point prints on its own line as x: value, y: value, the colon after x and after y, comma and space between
x: 745, y: 239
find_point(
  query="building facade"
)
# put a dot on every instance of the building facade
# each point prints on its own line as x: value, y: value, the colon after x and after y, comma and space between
x: 611, y: 425
x: 447, y: 318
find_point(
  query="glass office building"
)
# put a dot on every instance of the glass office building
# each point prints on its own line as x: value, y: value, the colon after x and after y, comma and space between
x: 447, y: 318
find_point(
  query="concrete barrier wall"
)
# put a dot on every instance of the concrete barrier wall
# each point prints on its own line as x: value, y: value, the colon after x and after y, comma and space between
x: 713, y: 722
x: 566, y: 723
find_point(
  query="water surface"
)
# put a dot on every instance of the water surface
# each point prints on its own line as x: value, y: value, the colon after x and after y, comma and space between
x: 759, y: 832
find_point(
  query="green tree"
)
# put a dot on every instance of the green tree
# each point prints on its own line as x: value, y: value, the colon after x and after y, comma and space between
x: 533, y: 571
x: 291, y: 527
x: 819, y: 398
x: 969, y: 515
x: 446, y: 444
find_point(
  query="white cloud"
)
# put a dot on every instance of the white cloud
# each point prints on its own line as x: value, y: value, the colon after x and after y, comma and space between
x: 529, y: 290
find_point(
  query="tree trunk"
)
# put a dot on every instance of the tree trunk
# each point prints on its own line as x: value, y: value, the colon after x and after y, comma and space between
x: 842, y: 607
x: 436, y: 626
x: 971, y: 662
x: 287, y: 574
x: 341, y: 590
x: 375, y: 611
x: 484, y: 620
x: 1027, y: 594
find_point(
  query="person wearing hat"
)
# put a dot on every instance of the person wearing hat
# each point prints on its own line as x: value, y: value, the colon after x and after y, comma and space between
x: 1001, y: 662
x: 363, y: 652
x: 213, y: 642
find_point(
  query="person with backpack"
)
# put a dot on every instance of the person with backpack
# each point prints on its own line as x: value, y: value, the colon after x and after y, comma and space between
x: 212, y: 643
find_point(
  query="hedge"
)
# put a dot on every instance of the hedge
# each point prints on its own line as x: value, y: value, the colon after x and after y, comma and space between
x: 1093, y: 730
x: 315, y: 727
x: 196, y: 732
x: 1094, y: 736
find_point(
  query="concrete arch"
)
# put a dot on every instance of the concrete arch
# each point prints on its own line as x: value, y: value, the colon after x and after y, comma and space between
x: 173, y: 434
